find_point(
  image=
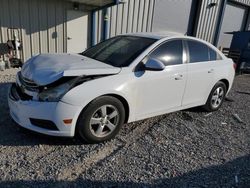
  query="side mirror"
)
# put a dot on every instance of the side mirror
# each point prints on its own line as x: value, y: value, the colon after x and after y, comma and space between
x: 154, y: 65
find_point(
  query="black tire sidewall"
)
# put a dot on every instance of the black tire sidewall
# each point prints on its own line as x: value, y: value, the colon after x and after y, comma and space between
x: 83, y: 128
x: 208, y: 105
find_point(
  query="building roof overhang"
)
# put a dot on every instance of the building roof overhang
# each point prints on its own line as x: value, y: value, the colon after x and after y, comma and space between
x: 96, y: 4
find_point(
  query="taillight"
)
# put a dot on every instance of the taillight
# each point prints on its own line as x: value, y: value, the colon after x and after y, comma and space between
x: 235, y: 66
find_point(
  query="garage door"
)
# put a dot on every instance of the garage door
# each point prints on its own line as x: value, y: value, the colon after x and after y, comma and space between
x: 171, y: 15
x: 233, y: 20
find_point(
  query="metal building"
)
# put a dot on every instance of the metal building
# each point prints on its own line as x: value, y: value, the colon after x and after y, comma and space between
x: 48, y: 26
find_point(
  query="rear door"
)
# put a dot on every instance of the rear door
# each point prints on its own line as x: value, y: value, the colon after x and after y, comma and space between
x: 201, y: 68
x: 160, y: 91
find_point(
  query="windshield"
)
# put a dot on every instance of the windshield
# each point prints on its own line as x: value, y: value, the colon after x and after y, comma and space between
x: 119, y: 51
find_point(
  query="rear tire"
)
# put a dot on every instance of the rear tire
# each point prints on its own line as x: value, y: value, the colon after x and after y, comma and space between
x: 216, y: 97
x: 101, y: 120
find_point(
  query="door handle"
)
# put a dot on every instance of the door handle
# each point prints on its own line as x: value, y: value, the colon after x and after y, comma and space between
x: 69, y: 38
x: 178, y: 77
x: 211, y: 71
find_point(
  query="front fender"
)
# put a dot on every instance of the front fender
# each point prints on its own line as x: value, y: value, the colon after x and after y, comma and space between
x: 86, y: 92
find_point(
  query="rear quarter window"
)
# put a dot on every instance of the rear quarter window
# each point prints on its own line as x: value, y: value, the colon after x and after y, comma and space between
x: 213, y: 55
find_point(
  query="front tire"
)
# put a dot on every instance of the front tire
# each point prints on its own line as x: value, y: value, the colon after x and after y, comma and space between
x: 101, y: 120
x: 216, y: 97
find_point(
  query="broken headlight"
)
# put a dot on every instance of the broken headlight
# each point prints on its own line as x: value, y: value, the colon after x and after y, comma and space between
x: 54, y: 94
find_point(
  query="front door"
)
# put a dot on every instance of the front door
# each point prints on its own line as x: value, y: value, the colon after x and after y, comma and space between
x: 161, y: 91
x: 77, y: 31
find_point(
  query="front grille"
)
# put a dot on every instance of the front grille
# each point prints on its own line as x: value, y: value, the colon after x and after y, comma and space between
x: 45, y: 124
x: 17, y: 94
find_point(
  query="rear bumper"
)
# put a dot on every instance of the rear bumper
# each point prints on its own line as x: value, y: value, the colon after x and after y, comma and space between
x: 22, y: 112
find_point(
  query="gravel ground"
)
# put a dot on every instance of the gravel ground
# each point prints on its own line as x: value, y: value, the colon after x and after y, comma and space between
x: 189, y: 148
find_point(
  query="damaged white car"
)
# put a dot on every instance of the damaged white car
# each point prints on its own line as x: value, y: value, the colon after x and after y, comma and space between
x: 123, y: 79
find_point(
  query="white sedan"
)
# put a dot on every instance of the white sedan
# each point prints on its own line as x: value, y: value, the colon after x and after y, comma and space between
x: 123, y: 79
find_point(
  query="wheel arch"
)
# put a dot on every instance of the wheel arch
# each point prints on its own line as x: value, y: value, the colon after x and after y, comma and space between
x: 207, y: 106
x: 223, y: 80
x: 119, y: 97
x: 226, y: 82
x: 123, y: 101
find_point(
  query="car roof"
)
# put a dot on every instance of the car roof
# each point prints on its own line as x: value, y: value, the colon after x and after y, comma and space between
x: 166, y: 35
x: 156, y: 35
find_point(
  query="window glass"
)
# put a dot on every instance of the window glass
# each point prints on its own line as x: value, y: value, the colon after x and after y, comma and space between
x: 198, y: 51
x: 169, y: 53
x: 119, y: 51
x: 214, y: 55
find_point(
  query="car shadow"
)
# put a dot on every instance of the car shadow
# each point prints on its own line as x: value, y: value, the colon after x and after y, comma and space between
x: 235, y: 173
x: 195, y: 109
x: 12, y: 134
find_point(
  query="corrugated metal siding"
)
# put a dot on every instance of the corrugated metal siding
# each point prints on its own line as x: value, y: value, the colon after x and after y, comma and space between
x: 207, y: 20
x: 173, y: 16
x: 132, y: 16
x: 41, y: 24
x: 136, y: 16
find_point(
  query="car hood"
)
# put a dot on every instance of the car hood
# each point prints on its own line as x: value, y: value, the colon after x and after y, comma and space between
x: 47, y: 68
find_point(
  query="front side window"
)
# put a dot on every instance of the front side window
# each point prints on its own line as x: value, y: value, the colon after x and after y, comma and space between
x: 119, y: 51
x: 169, y: 53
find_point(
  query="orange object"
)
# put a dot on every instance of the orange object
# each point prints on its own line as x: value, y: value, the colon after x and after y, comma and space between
x: 67, y: 121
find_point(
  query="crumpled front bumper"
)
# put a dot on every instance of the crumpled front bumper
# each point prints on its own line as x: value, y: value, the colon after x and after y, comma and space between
x: 22, y: 111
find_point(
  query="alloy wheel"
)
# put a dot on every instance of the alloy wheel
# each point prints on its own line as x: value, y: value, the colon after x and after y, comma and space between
x: 104, y: 120
x: 217, y: 97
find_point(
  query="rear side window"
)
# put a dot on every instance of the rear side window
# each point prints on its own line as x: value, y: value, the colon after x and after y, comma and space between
x: 213, y: 55
x: 198, y: 52
x: 169, y: 53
